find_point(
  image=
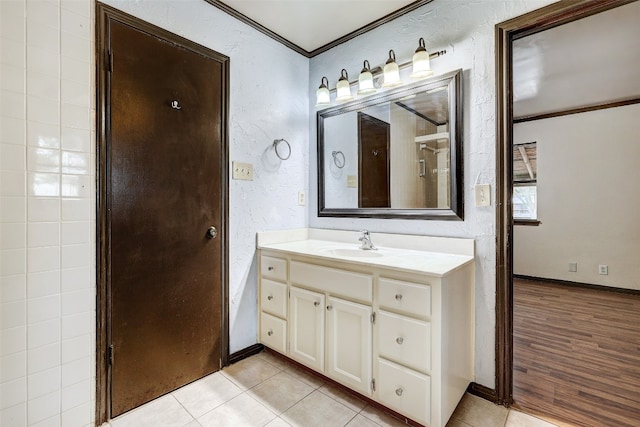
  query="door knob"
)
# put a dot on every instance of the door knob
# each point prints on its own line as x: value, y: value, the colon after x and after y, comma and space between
x: 212, y: 232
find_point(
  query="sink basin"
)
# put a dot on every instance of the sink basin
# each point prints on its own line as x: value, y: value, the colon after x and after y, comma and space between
x: 354, y: 253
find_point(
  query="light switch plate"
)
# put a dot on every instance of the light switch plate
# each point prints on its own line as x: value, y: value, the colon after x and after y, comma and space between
x: 243, y: 171
x: 483, y: 195
x: 352, y: 181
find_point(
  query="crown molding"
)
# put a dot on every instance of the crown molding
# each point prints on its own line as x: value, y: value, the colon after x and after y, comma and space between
x: 310, y: 54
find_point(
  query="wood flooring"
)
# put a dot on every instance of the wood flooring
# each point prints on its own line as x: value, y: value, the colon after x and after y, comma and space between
x: 577, y: 354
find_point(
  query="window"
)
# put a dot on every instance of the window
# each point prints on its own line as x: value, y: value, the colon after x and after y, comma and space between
x: 524, y: 202
x: 525, y: 192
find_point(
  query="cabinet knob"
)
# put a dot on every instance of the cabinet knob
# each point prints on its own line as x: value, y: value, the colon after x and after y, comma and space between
x: 398, y: 297
x: 270, y: 332
x: 270, y: 297
x: 399, y: 391
x: 317, y: 303
x: 329, y: 307
x: 399, y: 340
x: 270, y: 268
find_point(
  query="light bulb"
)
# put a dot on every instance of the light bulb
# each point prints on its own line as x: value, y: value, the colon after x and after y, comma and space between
x: 391, y: 71
x: 365, y: 80
x: 343, y: 88
x: 421, y: 65
x: 323, y: 98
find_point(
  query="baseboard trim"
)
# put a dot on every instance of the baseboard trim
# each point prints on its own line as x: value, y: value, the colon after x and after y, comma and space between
x: 245, y: 352
x: 484, y: 392
x: 579, y: 284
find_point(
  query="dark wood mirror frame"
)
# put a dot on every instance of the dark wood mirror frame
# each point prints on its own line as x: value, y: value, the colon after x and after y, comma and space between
x: 453, y: 80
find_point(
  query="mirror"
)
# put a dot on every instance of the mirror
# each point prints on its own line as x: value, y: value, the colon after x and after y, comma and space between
x: 397, y: 154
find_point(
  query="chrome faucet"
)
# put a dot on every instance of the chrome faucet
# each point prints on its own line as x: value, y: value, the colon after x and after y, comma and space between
x: 366, y: 241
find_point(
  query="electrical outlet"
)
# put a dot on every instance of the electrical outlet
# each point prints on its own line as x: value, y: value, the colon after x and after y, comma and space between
x: 483, y: 195
x: 243, y: 171
x: 573, y: 267
x: 603, y: 269
x: 302, y: 199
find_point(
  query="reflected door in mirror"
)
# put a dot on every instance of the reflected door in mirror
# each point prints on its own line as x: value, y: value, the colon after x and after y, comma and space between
x: 373, y: 154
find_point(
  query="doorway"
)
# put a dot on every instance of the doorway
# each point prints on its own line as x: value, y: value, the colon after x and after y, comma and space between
x: 543, y: 19
x: 162, y: 209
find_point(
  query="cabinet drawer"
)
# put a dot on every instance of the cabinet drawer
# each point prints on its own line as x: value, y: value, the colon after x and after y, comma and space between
x: 404, y: 390
x: 405, y: 340
x: 348, y: 284
x: 273, y: 332
x: 405, y: 297
x: 273, y: 268
x: 273, y: 297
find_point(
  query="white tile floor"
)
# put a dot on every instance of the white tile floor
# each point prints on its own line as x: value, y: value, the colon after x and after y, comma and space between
x: 263, y: 390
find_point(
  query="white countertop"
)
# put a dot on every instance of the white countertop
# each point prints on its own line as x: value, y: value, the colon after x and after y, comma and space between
x: 411, y: 260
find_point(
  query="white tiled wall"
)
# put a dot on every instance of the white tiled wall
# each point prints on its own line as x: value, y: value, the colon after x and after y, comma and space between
x: 47, y: 218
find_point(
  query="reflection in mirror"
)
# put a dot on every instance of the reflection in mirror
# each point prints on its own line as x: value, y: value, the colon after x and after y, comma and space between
x: 402, y: 153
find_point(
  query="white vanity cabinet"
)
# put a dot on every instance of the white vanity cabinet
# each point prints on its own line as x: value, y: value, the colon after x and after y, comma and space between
x: 274, y: 302
x: 349, y: 344
x: 306, y: 327
x: 403, y: 337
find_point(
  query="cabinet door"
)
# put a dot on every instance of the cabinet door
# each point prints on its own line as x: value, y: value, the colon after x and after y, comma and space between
x: 306, y: 328
x: 349, y: 349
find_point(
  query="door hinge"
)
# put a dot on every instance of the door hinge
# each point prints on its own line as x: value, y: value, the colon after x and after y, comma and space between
x: 373, y: 317
x: 110, y: 354
x: 110, y: 62
x: 373, y: 384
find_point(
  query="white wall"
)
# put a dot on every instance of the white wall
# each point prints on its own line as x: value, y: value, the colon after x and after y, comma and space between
x: 341, y: 134
x: 466, y: 30
x: 47, y: 189
x: 588, y: 198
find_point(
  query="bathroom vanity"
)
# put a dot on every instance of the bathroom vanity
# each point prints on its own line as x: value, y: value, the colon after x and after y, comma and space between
x: 394, y: 324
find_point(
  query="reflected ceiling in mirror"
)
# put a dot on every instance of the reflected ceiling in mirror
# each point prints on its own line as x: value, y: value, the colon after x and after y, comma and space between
x: 394, y: 155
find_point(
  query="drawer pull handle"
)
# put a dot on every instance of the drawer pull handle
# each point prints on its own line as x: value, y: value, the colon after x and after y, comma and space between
x: 270, y: 332
x: 399, y: 340
x: 399, y: 391
x: 270, y: 268
x: 398, y: 297
x: 329, y: 307
x: 317, y: 303
x: 270, y: 297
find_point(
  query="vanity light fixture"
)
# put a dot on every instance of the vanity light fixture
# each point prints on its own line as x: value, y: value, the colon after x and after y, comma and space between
x: 365, y: 80
x: 390, y: 76
x: 391, y: 71
x: 323, y: 98
x: 343, y: 88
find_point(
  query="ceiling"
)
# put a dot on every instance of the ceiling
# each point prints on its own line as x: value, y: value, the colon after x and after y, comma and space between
x: 590, y: 61
x: 312, y: 24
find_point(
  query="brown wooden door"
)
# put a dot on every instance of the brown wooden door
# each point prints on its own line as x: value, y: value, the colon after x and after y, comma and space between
x: 165, y: 189
x: 373, y: 170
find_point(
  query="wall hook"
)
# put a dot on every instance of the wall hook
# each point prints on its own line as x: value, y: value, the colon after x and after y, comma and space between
x: 175, y: 105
